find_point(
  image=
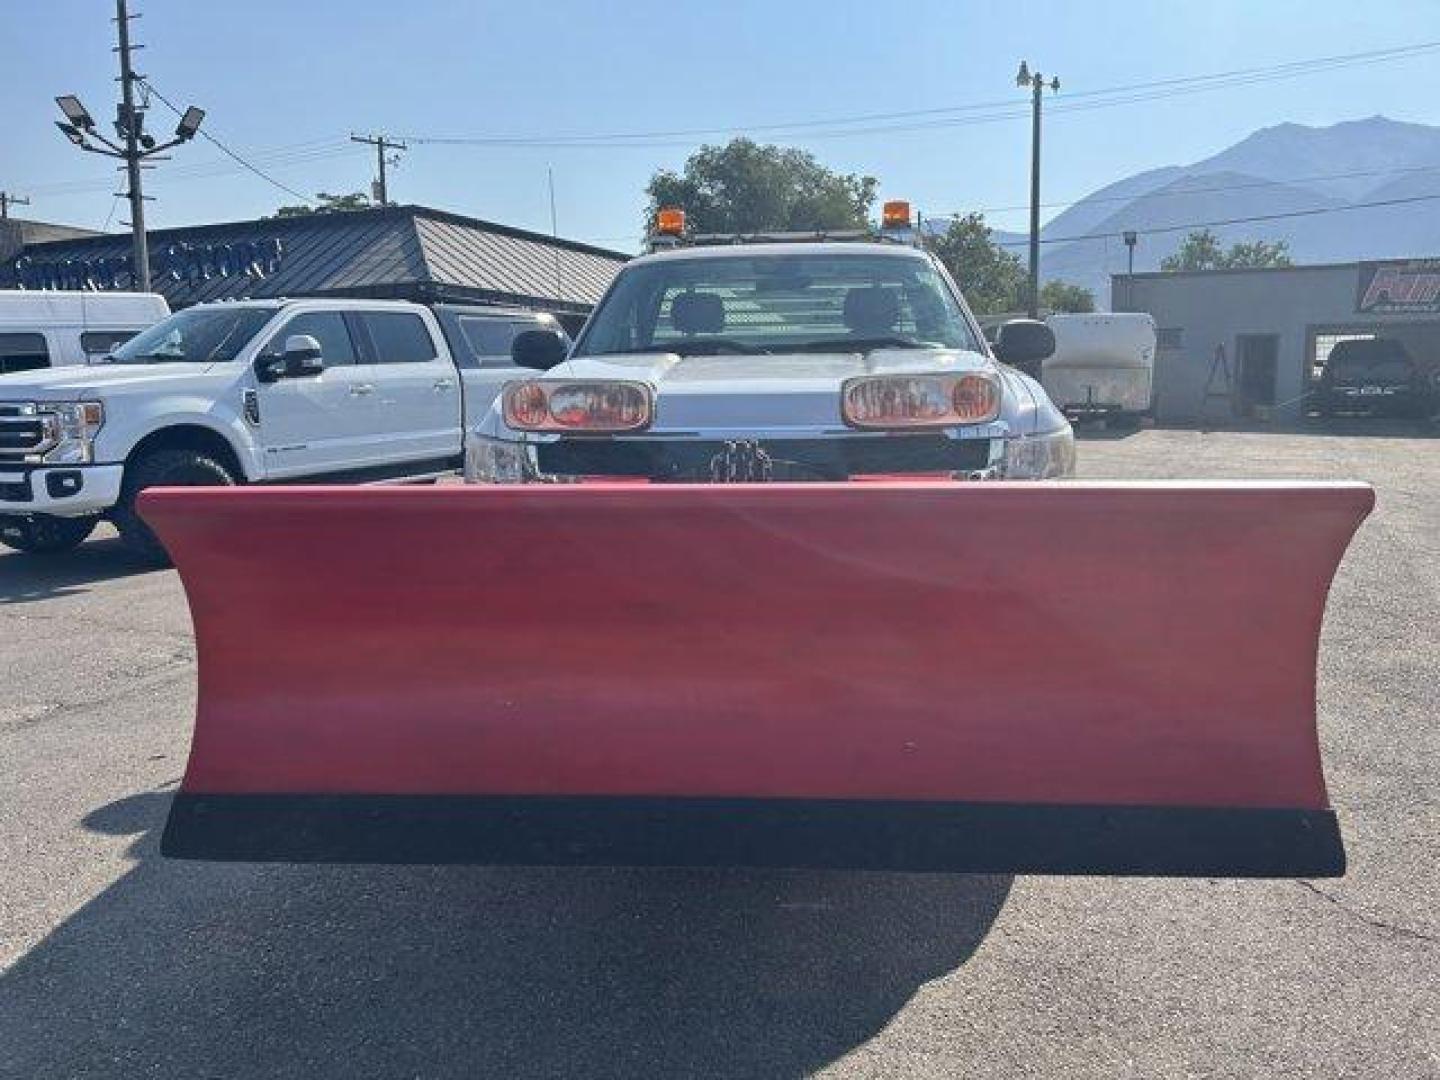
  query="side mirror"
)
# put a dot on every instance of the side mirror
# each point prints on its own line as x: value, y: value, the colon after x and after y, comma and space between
x: 539, y: 349
x: 302, y: 357
x: 1024, y: 344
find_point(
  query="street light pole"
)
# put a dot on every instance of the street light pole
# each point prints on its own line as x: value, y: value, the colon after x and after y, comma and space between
x: 134, y: 146
x: 1036, y: 84
x: 1129, y: 236
x: 131, y: 132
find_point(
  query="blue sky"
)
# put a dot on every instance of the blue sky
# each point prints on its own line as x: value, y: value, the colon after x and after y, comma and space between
x: 286, y: 82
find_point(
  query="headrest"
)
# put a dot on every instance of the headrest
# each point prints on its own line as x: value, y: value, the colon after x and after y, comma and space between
x: 871, y: 309
x: 697, y: 313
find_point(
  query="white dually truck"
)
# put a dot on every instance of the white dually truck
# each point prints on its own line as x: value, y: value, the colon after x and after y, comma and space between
x: 248, y: 392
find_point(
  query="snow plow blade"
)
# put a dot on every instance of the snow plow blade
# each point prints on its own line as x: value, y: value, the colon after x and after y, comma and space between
x: 1090, y: 678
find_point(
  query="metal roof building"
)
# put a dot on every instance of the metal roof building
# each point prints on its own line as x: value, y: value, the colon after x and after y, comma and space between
x: 403, y: 252
x: 1251, y: 343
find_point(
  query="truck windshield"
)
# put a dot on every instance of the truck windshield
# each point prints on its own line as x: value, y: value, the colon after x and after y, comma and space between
x: 711, y: 305
x: 1383, y: 361
x: 197, y: 336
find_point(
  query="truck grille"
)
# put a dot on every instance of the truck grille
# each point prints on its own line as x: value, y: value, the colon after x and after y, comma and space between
x: 22, y: 431
x: 816, y: 459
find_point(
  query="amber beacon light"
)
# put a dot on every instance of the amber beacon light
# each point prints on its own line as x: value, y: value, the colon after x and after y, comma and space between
x: 670, y: 221
x: 895, y: 214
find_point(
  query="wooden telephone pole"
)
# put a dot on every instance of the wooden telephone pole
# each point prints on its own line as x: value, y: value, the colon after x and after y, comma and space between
x: 381, y: 144
x: 7, y: 200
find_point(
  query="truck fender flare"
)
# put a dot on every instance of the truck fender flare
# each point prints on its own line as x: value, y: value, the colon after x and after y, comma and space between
x: 239, y: 445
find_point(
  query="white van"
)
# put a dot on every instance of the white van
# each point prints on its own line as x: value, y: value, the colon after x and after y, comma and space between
x: 1103, y: 365
x: 59, y: 329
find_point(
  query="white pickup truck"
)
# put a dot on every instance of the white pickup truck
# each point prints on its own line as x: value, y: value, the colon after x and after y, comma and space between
x: 264, y: 391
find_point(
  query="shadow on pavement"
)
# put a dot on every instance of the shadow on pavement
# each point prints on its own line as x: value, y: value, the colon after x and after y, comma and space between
x: 190, y: 969
x: 1368, y: 427
x: 28, y: 578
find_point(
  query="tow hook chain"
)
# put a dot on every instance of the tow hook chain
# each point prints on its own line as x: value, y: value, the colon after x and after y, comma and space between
x: 741, y: 461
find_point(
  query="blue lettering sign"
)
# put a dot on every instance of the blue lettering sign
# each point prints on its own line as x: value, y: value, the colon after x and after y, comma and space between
x: 177, y: 262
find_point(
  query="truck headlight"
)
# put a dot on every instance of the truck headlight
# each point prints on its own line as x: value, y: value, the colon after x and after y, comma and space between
x: 1039, y: 457
x: 70, y: 428
x: 584, y: 405
x: 496, y: 461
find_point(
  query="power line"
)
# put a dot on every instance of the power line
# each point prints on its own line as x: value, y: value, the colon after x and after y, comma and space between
x: 278, y: 157
x: 316, y: 150
x: 306, y: 199
x: 381, y: 143
x: 954, y: 115
x: 1150, y: 195
x: 1198, y: 190
x: 1227, y: 221
x: 1156, y: 229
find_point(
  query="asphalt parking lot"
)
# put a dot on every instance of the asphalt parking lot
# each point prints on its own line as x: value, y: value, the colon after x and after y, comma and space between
x: 118, y: 963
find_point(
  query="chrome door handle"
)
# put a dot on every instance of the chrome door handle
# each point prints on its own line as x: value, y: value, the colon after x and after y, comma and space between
x: 361, y: 389
x: 442, y: 384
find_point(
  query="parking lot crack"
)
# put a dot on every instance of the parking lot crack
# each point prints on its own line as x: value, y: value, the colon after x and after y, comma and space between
x: 1388, y: 928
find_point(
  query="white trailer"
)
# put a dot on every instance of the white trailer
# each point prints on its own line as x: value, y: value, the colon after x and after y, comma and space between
x: 1103, y: 366
x: 41, y: 328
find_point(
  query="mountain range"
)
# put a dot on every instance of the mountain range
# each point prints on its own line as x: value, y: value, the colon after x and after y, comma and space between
x: 1325, y: 175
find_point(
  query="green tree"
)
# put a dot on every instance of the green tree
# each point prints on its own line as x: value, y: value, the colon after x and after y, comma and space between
x: 1201, y: 250
x: 1062, y: 296
x: 1258, y: 254
x: 992, y: 279
x: 745, y: 187
x: 328, y: 204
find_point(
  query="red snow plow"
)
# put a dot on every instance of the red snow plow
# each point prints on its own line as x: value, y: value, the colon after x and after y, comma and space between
x: 1099, y: 678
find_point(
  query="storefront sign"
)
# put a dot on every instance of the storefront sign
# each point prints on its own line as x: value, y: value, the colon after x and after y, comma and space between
x: 1396, y: 287
x: 176, y: 262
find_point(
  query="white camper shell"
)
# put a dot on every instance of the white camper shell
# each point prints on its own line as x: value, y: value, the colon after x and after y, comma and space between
x: 40, y: 328
x: 1103, y: 366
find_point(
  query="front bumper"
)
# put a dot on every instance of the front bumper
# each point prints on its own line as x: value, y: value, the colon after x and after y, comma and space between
x: 59, y: 490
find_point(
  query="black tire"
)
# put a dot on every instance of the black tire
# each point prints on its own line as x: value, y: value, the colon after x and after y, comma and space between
x: 162, y: 468
x: 46, y: 535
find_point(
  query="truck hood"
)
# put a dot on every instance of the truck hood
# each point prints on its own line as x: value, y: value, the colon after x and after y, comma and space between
x: 769, y: 392
x: 97, y: 381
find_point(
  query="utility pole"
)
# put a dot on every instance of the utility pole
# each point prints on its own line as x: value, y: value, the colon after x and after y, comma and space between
x: 131, y: 123
x: 381, y: 144
x: 1036, y: 84
x: 135, y: 145
x: 7, y: 200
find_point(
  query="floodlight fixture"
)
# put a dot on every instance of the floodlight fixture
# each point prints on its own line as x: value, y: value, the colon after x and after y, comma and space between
x: 75, y: 112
